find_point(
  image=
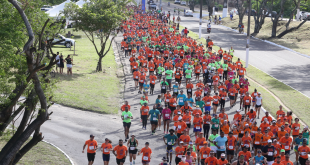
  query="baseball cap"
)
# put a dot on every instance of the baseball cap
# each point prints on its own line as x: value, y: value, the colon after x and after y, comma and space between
x: 286, y: 123
x: 181, y: 142
x: 238, y: 110
x: 91, y: 135
x: 259, y: 93
x: 269, y: 141
x: 133, y: 135
x: 223, y: 154
x: 179, y: 112
x: 180, y: 118
x: 282, y: 150
x: 190, y: 142
x: 205, y: 142
x: 147, y: 143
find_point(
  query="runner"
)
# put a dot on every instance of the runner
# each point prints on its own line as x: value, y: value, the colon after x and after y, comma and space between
x: 91, y: 149
x: 211, y: 139
x: 231, y: 145
x: 258, y: 103
x: 166, y: 113
x: 132, y: 144
x: 240, y: 161
x: 222, y: 160
x: 204, y: 152
x: 268, y: 152
x: 172, y: 139
x: 155, y: 115
x: 126, y: 117
x: 179, y: 152
x: 144, y: 110
x: 197, y: 124
x: 121, y: 152
x: 106, y: 147
x: 212, y: 159
x: 147, y: 152
x: 220, y: 143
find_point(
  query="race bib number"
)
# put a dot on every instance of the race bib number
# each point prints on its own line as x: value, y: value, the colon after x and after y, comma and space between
x: 189, y: 90
x: 154, y: 118
x: 197, y: 127
x: 153, y: 82
x: 216, y: 125
x: 145, y: 158
x: 174, y: 104
x: 132, y: 148
x: 223, y: 98
x: 106, y: 150
x: 135, y: 67
x: 215, y: 100
x: 163, y: 87
x: 205, y: 156
x: 179, y: 126
x: 91, y: 147
x: 222, y: 147
x: 286, y: 147
x: 246, y: 145
x: 137, y: 77
x: 181, y: 100
x: 256, y: 142
x: 167, y: 100
x: 270, y: 153
x: 169, y: 143
x: 231, y: 147
x: 151, y: 67
x: 167, y: 115
x: 145, y: 110
x: 208, y: 102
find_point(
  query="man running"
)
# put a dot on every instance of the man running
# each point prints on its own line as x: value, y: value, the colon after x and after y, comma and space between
x: 155, y: 115
x: 126, y: 117
x: 171, y: 140
x: 91, y: 149
x: 121, y: 152
x: 147, y: 152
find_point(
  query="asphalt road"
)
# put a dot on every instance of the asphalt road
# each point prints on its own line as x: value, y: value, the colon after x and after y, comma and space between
x: 286, y: 66
x: 69, y: 128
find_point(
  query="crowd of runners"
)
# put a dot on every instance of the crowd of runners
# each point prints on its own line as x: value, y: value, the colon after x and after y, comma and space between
x: 195, y: 83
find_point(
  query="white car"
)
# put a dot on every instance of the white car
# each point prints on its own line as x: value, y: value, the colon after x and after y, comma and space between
x: 183, y: 3
x: 188, y: 13
x: 177, y: 2
x: 68, y: 42
x: 302, y: 15
x: 46, y: 8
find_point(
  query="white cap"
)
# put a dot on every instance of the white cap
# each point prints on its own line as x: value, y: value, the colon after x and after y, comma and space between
x: 238, y: 110
x: 246, y: 124
x: 259, y: 93
x: 181, y: 142
x: 179, y: 112
x: 190, y: 143
x: 223, y: 154
x: 180, y: 118
x: 269, y: 141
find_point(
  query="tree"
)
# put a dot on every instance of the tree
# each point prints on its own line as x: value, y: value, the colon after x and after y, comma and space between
x: 210, y: 4
x: 24, y: 72
x: 276, y: 17
x: 100, y: 19
x: 259, y: 17
x: 241, y: 9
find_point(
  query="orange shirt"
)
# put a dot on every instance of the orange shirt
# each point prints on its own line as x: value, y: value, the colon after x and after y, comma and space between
x: 281, y: 134
x: 183, y: 163
x: 91, y: 144
x: 152, y: 79
x: 145, y: 110
x: 220, y: 162
x: 231, y: 142
x: 211, y: 161
x: 199, y: 142
x: 265, y: 139
x: 275, y: 163
x: 287, y: 143
x: 198, y: 121
x: 247, y: 100
x: 123, y: 107
x: 295, y: 128
x: 187, y: 118
x: 247, y: 155
x: 120, y: 151
x: 246, y: 141
x: 238, y: 117
x: 106, y: 148
x: 232, y: 91
x: 204, y: 152
x: 216, y: 78
x: 252, y: 115
x: 287, y: 162
x: 304, y: 151
x: 258, y: 138
x: 181, y: 126
x: 179, y: 151
x: 216, y: 99
x: 207, y: 119
x: 223, y: 95
x: 225, y: 128
x: 185, y: 138
x: 146, y: 154
x: 207, y: 100
x: 242, y: 71
x: 172, y: 102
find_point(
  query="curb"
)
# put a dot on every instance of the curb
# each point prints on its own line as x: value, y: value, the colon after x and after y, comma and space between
x: 60, y: 151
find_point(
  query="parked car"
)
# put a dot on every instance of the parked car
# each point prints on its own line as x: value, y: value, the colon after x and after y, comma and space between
x: 183, y: 3
x: 233, y: 11
x: 188, y: 13
x: 303, y: 15
x: 177, y: 2
x: 46, y: 8
x: 273, y: 14
x: 68, y: 42
x: 150, y: 1
x: 152, y: 6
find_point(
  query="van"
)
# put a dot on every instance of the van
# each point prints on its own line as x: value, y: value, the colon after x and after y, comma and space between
x: 177, y: 1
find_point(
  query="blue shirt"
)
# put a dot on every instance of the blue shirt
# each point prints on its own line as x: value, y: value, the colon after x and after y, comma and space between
x: 190, y: 100
x: 146, y: 87
x: 175, y: 88
x: 181, y: 99
x: 220, y: 141
x: 259, y: 159
x: 185, y: 66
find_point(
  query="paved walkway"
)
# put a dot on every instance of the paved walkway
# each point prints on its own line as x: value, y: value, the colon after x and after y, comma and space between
x: 286, y: 66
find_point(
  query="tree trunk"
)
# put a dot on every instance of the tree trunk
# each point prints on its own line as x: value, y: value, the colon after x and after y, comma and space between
x: 274, y: 27
x: 99, y: 64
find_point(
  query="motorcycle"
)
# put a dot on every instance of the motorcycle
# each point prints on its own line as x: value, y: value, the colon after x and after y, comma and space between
x: 209, y: 30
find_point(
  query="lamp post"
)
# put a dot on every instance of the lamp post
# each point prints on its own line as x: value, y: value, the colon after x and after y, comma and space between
x: 248, y: 35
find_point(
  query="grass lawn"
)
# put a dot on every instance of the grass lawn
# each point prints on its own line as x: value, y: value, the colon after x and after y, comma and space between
x: 297, y: 40
x: 87, y: 89
x: 42, y: 153
x: 293, y: 99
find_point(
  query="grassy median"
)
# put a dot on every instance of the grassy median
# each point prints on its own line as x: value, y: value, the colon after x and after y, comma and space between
x: 294, y: 100
x: 87, y: 89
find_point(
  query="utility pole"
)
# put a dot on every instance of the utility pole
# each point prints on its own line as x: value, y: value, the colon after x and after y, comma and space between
x: 248, y: 35
x: 200, y: 22
x: 160, y: 4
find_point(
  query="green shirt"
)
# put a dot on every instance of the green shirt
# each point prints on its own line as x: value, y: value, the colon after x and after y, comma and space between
x: 188, y: 73
x: 171, y: 139
x: 160, y: 69
x: 231, y: 51
x: 233, y: 80
x: 127, y: 116
x: 225, y: 66
x: 169, y: 74
x: 216, y: 123
x: 194, y: 147
x: 212, y: 137
x: 154, y: 114
x: 185, y: 47
x: 142, y: 102
x: 144, y: 39
x: 201, y: 104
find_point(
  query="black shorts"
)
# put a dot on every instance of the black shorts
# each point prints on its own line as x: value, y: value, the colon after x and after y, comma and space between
x: 197, y: 74
x: 231, y: 97
x: 106, y: 157
x: 257, y: 146
x: 179, y: 135
x: 152, y: 86
x: 118, y: 161
x: 240, y: 135
x: 163, y: 91
x: 188, y: 125
x: 215, y: 104
x: 258, y: 106
x: 172, y: 108
x: 136, y: 79
x: 247, y: 106
x: 141, y: 84
x: 127, y: 124
x: 230, y: 152
x: 154, y: 122
x: 133, y: 151
x: 178, y: 80
x: 91, y: 156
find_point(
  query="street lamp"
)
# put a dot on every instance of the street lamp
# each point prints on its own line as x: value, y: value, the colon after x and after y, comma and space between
x: 248, y: 35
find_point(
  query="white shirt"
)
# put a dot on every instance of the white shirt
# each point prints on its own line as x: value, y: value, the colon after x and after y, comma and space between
x: 209, y: 25
x: 57, y: 58
x: 258, y: 100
